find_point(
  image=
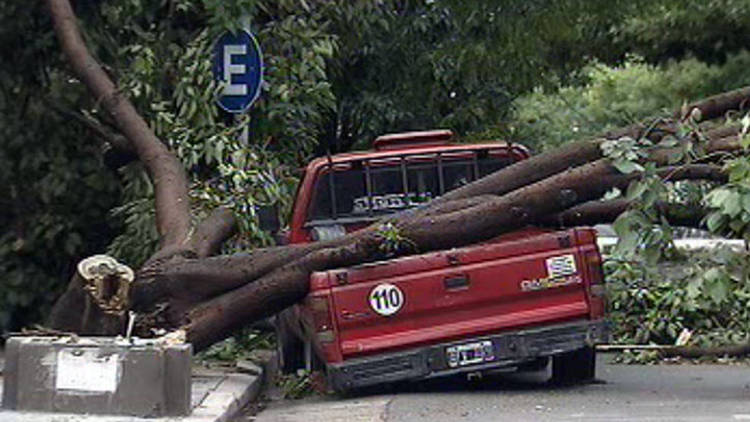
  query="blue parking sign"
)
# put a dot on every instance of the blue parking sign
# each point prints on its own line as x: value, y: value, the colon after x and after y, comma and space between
x: 237, y: 62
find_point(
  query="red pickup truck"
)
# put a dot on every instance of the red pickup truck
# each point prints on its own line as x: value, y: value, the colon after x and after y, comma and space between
x: 512, y: 302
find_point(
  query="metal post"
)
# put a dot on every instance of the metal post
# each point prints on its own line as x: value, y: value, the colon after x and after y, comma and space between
x: 404, y: 177
x: 332, y: 188
x: 475, y: 161
x: 441, y: 177
x: 368, y: 183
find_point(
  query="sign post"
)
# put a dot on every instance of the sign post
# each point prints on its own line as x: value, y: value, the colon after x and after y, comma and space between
x: 238, y: 63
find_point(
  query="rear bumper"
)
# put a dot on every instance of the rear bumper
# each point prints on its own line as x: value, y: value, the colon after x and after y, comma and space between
x: 510, y: 348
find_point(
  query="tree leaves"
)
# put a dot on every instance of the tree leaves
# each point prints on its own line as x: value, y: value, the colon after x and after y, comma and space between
x: 730, y: 203
x: 624, y: 153
x: 694, y: 292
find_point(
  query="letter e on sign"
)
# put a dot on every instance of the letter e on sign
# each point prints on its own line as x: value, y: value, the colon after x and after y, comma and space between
x: 233, y: 69
x: 386, y: 299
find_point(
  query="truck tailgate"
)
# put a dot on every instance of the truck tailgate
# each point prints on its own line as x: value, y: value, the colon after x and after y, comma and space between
x: 535, y: 278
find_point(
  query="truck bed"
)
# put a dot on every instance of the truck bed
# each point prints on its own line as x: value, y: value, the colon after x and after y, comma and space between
x: 522, y: 280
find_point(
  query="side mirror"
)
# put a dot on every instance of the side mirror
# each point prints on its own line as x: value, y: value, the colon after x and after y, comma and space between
x: 268, y: 218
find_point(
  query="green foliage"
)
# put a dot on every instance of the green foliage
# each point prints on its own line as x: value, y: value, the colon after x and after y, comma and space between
x: 706, y: 292
x: 54, y: 196
x: 392, y: 240
x: 624, y: 154
x: 644, y: 235
x: 670, y: 29
x: 138, y: 238
x: 615, y: 96
x: 730, y: 203
x: 296, y: 386
x: 238, y: 347
x: 425, y: 64
x: 655, y: 292
x: 55, y: 200
x: 167, y: 73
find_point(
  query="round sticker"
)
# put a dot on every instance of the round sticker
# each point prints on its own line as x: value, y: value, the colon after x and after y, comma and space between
x: 386, y: 299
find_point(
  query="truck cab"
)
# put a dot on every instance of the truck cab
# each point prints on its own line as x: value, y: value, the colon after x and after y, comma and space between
x: 345, y: 192
x: 512, y: 302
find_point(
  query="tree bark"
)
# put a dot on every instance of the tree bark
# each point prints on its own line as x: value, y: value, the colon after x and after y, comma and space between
x: 166, y: 172
x: 602, y: 212
x: 716, y: 106
x: 213, y: 231
x: 695, y: 352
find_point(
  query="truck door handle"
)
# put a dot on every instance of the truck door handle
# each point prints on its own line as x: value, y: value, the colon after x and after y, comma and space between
x: 456, y: 282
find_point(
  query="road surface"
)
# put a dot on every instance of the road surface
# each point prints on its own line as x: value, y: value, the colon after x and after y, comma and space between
x: 675, y: 393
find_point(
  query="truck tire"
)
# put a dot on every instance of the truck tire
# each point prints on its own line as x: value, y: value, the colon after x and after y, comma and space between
x: 289, y: 348
x: 577, y: 366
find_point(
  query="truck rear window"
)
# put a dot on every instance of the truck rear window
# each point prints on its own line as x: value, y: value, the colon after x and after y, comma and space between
x: 373, y: 188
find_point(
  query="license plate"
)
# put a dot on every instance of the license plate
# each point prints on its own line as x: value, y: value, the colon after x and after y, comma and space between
x: 470, y: 353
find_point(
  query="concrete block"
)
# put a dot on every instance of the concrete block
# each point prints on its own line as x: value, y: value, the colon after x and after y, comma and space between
x: 97, y: 375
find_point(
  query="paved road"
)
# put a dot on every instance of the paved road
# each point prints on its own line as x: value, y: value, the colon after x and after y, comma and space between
x: 625, y: 393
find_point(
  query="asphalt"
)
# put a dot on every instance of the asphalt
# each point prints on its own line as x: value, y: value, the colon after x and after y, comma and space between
x: 624, y: 393
x: 217, y: 396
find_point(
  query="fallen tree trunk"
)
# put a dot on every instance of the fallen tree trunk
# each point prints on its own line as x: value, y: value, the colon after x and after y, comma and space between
x: 166, y: 172
x: 189, y: 282
x: 289, y: 284
x: 603, y: 212
x: 690, y: 352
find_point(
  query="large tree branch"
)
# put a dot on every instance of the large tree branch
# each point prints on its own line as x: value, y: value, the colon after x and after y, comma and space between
x: 717, y: 105
x: 165, y: 171
x: 741, y: 349
x: 603, y: 212
x: 578, y: 153
x: 219, y: 226
x: 285, y: 285
x: 489, y: 215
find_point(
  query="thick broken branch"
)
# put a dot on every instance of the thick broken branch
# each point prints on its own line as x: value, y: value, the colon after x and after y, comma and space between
x: 742, y: 349
x: 95, y: 298
x: 212, y: 320
x: 603, y: 212
x: 219, y: 226
x: 574, y: 154
x: 716, y: 106
x: 166, y: 172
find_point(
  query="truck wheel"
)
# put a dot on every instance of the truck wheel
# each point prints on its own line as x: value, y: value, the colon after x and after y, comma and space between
x: 577, y: 366
x: 289, y: 348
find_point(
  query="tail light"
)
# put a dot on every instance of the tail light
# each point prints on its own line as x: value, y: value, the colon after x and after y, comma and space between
x: 597, y: 289
x: 321, y: 313
x: 594, y: 264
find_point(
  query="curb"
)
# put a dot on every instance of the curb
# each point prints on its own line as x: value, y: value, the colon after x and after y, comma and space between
x: 236, y: 391
x: 221, y: 402
x: 227, y: 399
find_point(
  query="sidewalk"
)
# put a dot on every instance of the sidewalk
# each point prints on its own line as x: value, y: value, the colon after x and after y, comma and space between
x: 216, y: 397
